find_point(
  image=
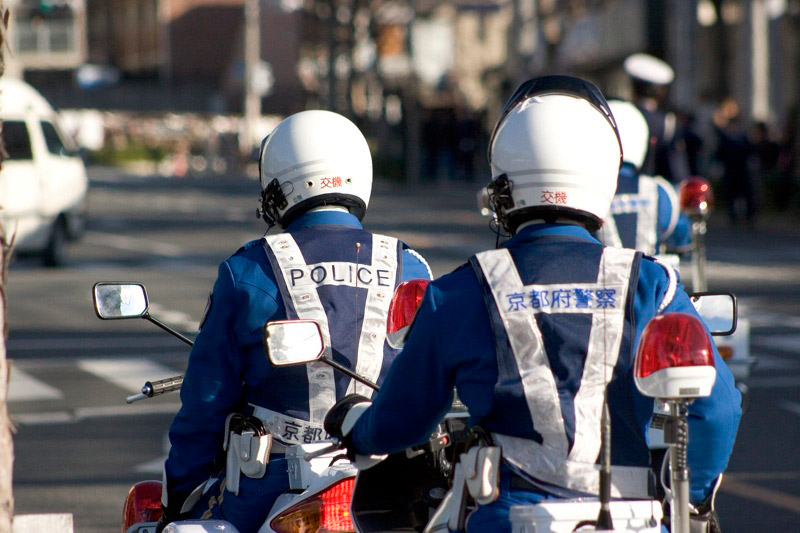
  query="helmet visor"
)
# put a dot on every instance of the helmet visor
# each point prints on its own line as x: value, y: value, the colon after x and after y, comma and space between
x: 566, y: 85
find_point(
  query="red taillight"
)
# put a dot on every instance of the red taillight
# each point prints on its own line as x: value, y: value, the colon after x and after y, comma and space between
x: 143, y: 504
x: 675, y: 358
x: 326, y: 512
x: 696, y: 197
x: 336, y: 507
x: 403, y: 308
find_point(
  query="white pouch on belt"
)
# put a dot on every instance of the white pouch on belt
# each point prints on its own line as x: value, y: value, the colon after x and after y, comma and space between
x: 482, y: 472
x: 248, y: 454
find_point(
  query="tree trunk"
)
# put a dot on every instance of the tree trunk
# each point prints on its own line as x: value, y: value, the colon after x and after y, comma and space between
x: 6, y: 443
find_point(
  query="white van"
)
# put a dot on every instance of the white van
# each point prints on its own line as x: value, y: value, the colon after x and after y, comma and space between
x: 43, y: 181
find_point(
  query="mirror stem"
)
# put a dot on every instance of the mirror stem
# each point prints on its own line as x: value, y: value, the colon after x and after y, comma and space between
x: 347, y: 371
x: 168, y: 329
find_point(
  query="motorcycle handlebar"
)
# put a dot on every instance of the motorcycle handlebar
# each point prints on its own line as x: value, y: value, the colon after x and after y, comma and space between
x: 155, y: 388
x: 335, y: 445
x: 135, y: 398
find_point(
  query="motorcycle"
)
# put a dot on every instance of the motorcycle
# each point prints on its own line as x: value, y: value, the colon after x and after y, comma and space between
x: 697, y: 202
x: 399, y: 493
x: 321, y: 480
x: 418, y: 489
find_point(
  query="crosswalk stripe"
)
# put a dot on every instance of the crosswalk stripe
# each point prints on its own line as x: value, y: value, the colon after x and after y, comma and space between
x: 781, y: 343
x: 128, y: 374
x: 23, y: 387
x: 163, y: 342
x: 135, y: 244
x: 156, y: 466
x: 86, y: 413
x: 792, y: 407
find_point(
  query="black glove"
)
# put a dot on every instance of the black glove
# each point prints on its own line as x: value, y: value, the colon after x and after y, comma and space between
x: 167, y: 517
x: 335, y: 418
x: 703, y: 517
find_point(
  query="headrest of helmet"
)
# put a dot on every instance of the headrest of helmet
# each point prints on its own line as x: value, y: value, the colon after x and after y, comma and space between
x: 314, y: 158
x: 633, y: 131
x: 557, y: 146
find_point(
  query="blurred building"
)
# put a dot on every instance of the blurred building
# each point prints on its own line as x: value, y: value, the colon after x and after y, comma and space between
x: 745, y: 49
x: 45, y: 35
x: 177, y: 55
x: 424, y: 78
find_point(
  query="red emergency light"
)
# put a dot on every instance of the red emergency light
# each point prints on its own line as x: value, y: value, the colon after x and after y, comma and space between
x: 696, y: 196
x: 675, y: 358
x: 143, y: 504
x: 402, y: 310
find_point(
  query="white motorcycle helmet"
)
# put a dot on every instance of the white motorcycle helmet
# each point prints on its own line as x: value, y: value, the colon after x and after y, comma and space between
x: 555, y: 153
x: 311, y: 159
x: 633, y: 130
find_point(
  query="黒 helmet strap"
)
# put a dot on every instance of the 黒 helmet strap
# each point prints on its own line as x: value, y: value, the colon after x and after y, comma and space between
x: 272, y: 200
x: 500, y: 198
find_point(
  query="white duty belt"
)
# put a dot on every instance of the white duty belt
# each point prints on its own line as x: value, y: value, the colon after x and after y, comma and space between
x: 553, y: 461
x: 301, y: 281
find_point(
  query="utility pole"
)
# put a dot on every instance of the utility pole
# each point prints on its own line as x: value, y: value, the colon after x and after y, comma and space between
x: 760, y: 108
x: 252, y: 59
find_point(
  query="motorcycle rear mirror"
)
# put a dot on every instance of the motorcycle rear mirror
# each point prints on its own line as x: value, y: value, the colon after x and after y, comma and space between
x: 718, y: 310
x: 293, y: 342
x: 116, y: 300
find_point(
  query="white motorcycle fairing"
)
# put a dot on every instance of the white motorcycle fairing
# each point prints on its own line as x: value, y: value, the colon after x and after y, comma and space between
x: 640, y: 516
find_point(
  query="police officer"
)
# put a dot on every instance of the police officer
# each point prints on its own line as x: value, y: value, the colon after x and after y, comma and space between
x: 645, y: 209
x: 651, y: 78
x: 316, y: 179
x: 525, y: 332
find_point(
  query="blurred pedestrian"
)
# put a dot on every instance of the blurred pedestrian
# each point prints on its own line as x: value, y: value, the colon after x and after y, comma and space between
x: 691, y: 141
x: 650, y: 81
x: 788, y: 166
x: 733, y: 153
x: 764, y: 162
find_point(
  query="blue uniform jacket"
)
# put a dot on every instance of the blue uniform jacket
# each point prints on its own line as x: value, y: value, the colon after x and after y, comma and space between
x: 227, y: 365
x: 451, y: 345
x: 678, y: 240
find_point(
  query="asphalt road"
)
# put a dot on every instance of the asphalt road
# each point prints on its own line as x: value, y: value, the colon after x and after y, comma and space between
x: 78, y: 446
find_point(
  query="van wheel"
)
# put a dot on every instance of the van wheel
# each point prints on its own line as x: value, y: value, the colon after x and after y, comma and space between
x: 56, y: 252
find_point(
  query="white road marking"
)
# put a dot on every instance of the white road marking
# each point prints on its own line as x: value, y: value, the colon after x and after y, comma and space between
x: 167, y: 342
x: 156, y: 466
x: 773, y: 382
x: 720, y: 271
x: 766, y: 496
x: 176, y: 319
x: 128, y: 374
x: 769, y: 362
x: 86, y: 413
x: 781, y: 343
x: 23, y: 387
x: 760, y: 318
x: 792, y: 407
x: 135, y: 244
